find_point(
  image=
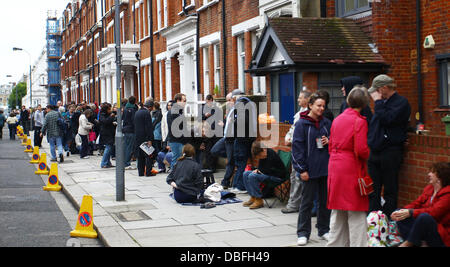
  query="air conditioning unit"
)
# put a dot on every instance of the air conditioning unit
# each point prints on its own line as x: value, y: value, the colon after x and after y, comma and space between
x: 429, y: 42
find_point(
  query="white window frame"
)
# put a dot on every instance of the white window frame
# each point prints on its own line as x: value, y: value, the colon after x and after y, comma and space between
x: 217, y: 68
x: 166, y: 19
x: 206, y: 69
x: 161, y: 96
x: 259, y: 83
x: 241, y: 61
x: 341, y: 4
x: 159, y: 13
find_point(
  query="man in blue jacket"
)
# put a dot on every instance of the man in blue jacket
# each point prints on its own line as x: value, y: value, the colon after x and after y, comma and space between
x: 386, y: 137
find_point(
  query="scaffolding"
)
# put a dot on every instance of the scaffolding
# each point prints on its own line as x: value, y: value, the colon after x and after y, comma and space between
x: 54, y: 50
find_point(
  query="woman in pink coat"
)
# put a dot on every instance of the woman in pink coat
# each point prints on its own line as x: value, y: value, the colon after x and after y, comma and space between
x: 348, y: 136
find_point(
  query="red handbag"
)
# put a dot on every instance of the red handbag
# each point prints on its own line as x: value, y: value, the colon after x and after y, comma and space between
x: 364, y: 181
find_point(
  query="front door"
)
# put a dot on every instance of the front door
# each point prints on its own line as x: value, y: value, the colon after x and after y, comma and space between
x: 287, y: 98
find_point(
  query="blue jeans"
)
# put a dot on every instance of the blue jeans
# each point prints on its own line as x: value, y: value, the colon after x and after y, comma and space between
x: 177, y: 149
x: 229, y: 169
x: 182, y: 197
x: 241, y: 155
x: 252, y: 180
x: 55, y: 141
x: 160, y: 159
x: 422, y: 228
x: 219, y: 149
x: 129, y: 147
x: 106, y: 156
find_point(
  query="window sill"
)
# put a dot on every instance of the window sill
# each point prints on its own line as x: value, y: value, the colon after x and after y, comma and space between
x: 442, y: 110
x: 207, y: 5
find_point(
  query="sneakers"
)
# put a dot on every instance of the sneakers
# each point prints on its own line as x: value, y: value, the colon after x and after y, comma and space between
x: 301, y: 241
x: 325, y: 237
x: 85, y: 157
x: 238, y: 191
x: 286, y: 210
x: 130, y: 168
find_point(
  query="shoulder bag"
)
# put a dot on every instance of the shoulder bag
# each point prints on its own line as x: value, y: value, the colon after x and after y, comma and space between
x: 364, y: 181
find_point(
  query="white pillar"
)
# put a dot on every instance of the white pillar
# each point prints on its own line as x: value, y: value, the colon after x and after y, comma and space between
x: 168, y: 80
x: 114, y: 88
x: 103, y: 88
x: 108, y: 88
x: 181, y: 61
x: 132, y: 84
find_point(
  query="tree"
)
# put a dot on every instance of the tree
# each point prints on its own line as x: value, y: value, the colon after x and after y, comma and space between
x: 21, y: 89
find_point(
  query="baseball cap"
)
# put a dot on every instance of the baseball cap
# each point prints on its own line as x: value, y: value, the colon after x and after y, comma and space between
x: 237, y: 92
x: 380, y: 81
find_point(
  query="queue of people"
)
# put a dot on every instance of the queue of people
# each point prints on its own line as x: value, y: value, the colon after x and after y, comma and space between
x: 328, y: 156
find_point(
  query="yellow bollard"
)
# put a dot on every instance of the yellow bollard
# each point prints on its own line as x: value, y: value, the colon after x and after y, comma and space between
x: 42, y: 167
x: 53, y: 181
x: 35, y: 157
x: 85, y: 222
x: 28, y: 148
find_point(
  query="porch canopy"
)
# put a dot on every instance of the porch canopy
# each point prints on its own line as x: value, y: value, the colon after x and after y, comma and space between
x: 314, y: 45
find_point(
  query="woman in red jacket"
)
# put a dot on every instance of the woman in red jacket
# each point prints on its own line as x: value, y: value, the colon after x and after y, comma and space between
x: 348, y: 155
x: 426, y: 221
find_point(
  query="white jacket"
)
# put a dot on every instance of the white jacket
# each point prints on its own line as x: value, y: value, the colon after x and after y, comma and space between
x: 84, y: 125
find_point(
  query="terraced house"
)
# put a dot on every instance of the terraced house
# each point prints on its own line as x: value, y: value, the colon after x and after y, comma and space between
x: 271, y: 48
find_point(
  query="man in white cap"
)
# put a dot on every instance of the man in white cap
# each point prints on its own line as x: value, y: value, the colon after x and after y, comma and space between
x: 386, y: 137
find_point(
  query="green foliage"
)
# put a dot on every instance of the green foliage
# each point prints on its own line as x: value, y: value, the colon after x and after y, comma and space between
x: 21, y: 89
x: 216, y: 90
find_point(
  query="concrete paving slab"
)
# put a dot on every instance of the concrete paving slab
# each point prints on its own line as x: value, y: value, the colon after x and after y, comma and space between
x: 152, y: 218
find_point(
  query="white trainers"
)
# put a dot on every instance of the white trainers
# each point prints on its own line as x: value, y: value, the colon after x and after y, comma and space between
x: 237, y: 191
x: 301, y: 241
x: 325, y: 237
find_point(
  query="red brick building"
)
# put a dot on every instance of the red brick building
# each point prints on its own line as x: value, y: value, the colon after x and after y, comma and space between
x: 202, y: 47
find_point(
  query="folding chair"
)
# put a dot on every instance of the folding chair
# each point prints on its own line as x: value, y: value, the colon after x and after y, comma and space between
x: 281, y: 190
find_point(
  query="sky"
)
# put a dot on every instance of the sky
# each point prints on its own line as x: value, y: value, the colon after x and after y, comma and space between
x: 22, y: 24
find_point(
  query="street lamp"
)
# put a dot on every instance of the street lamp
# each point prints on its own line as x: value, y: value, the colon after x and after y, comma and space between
x: 31, y: 89
x: 120, y: 159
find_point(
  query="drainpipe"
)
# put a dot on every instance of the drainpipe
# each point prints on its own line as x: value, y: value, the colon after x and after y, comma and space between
x: 224, y: 51
x: 419, y: 64
x: 152, y: 73
x: 138, y: 57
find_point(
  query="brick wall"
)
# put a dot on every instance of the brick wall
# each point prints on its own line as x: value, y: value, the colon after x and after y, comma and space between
x: 421, y: 152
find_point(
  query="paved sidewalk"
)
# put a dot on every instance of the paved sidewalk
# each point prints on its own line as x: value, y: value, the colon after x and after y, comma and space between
x: 150, y: 218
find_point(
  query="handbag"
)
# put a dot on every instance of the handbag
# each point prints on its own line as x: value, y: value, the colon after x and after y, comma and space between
x: 365, y: 183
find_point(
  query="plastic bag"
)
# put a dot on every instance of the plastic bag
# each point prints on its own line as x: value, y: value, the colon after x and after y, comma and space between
x: 378, y: 229
x: 213, y: 192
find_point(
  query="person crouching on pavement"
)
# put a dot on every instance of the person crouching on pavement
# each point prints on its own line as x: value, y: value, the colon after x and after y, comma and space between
x: 270, y: 172
x: 186, y: 177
